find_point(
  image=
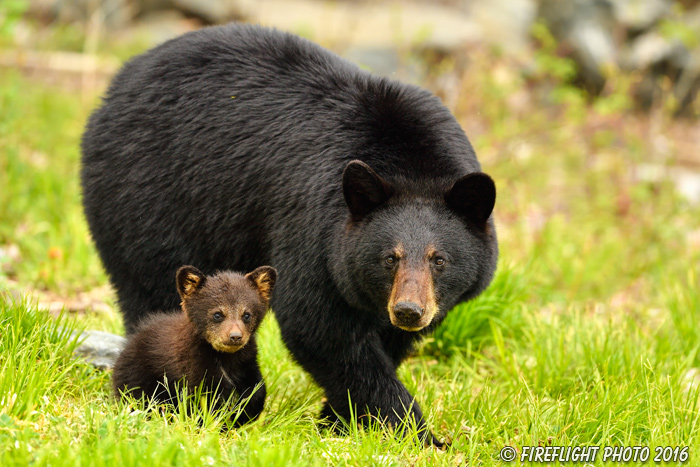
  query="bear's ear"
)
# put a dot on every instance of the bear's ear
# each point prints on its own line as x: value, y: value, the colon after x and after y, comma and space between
x: 473, y: 197
x: 189, y: 280
x: 263, y: 279
x: 363, y: 189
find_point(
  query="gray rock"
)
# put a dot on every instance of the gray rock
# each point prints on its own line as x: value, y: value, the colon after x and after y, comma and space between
x: 386, y: 62
x: 110, y: 13
x: 505, y: 23
x: 213, y: 11
x: 380, y: 25
x: 633, y: 35
x: 100, y: 348
x: 116, y: 14
x: 639, y: 15
x: 663, y: 55
x: 685, y: 180
x: 159, y: 26
x: 585, y: 27
x: 651, y: 48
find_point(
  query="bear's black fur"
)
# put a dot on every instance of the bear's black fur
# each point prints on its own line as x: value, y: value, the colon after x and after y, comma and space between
x: 238, y: 145
x: 212, y: 341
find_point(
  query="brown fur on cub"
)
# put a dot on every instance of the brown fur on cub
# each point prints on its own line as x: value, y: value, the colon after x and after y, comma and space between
x: 211, y: 340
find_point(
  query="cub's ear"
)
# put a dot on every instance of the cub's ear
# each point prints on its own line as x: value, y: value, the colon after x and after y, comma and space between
x: 263, y: 278
x: 189, y: 280
x: 363, y: 189
x: 473, y: 197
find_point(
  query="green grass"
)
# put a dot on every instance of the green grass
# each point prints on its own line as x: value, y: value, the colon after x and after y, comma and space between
x: 571, y: 376
x: 588, y: 335
x: 40, y: 209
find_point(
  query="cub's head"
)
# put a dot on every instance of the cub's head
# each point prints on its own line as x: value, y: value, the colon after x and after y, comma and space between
x: 226, y: 308
x: 413, y: 249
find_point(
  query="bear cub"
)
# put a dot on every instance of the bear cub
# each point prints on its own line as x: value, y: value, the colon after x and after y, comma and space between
x: 211, y: 340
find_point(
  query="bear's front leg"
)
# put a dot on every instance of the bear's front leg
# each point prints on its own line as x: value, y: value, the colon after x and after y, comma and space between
x: 343, y: 351
x: 360, y: 377
x: 406, y: 413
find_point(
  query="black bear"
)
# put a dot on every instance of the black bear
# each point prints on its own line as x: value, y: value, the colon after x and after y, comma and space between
x: 212, y: 341
x: 238, y: 145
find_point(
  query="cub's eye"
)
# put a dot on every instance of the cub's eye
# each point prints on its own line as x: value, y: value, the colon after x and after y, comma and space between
x: 439, y: 261
x: 218, y: 316
x: 246, y: 317
x: 390, y: 260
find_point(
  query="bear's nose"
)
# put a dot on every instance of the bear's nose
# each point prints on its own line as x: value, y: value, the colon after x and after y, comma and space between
x: 236, y: 337
x: 408, y: 312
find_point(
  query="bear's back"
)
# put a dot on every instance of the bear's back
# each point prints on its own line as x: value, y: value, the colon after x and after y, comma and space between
x: 243, y: 94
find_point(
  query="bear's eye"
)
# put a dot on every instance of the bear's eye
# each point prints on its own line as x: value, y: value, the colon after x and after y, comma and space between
x: 218, y: 316
x: 390, y: 260
x: 439, y: 261
x: 246, y: 317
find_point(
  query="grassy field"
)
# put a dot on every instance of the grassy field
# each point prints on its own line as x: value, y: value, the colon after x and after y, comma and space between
x: 588, y: 336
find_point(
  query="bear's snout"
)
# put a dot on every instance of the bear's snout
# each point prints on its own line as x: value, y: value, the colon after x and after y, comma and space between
x: 412, y: 303
x: 236, y: 337
x: 408, y: 313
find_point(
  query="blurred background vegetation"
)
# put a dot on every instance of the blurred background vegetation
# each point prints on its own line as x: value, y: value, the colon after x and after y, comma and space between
x: 585, y: 112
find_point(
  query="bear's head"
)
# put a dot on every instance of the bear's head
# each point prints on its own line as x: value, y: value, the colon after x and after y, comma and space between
x: 226, y: 308
x: 413, y: 251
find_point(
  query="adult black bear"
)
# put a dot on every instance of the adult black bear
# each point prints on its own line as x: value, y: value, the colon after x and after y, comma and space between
x: 212, y: 340
x: 238, y: 145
